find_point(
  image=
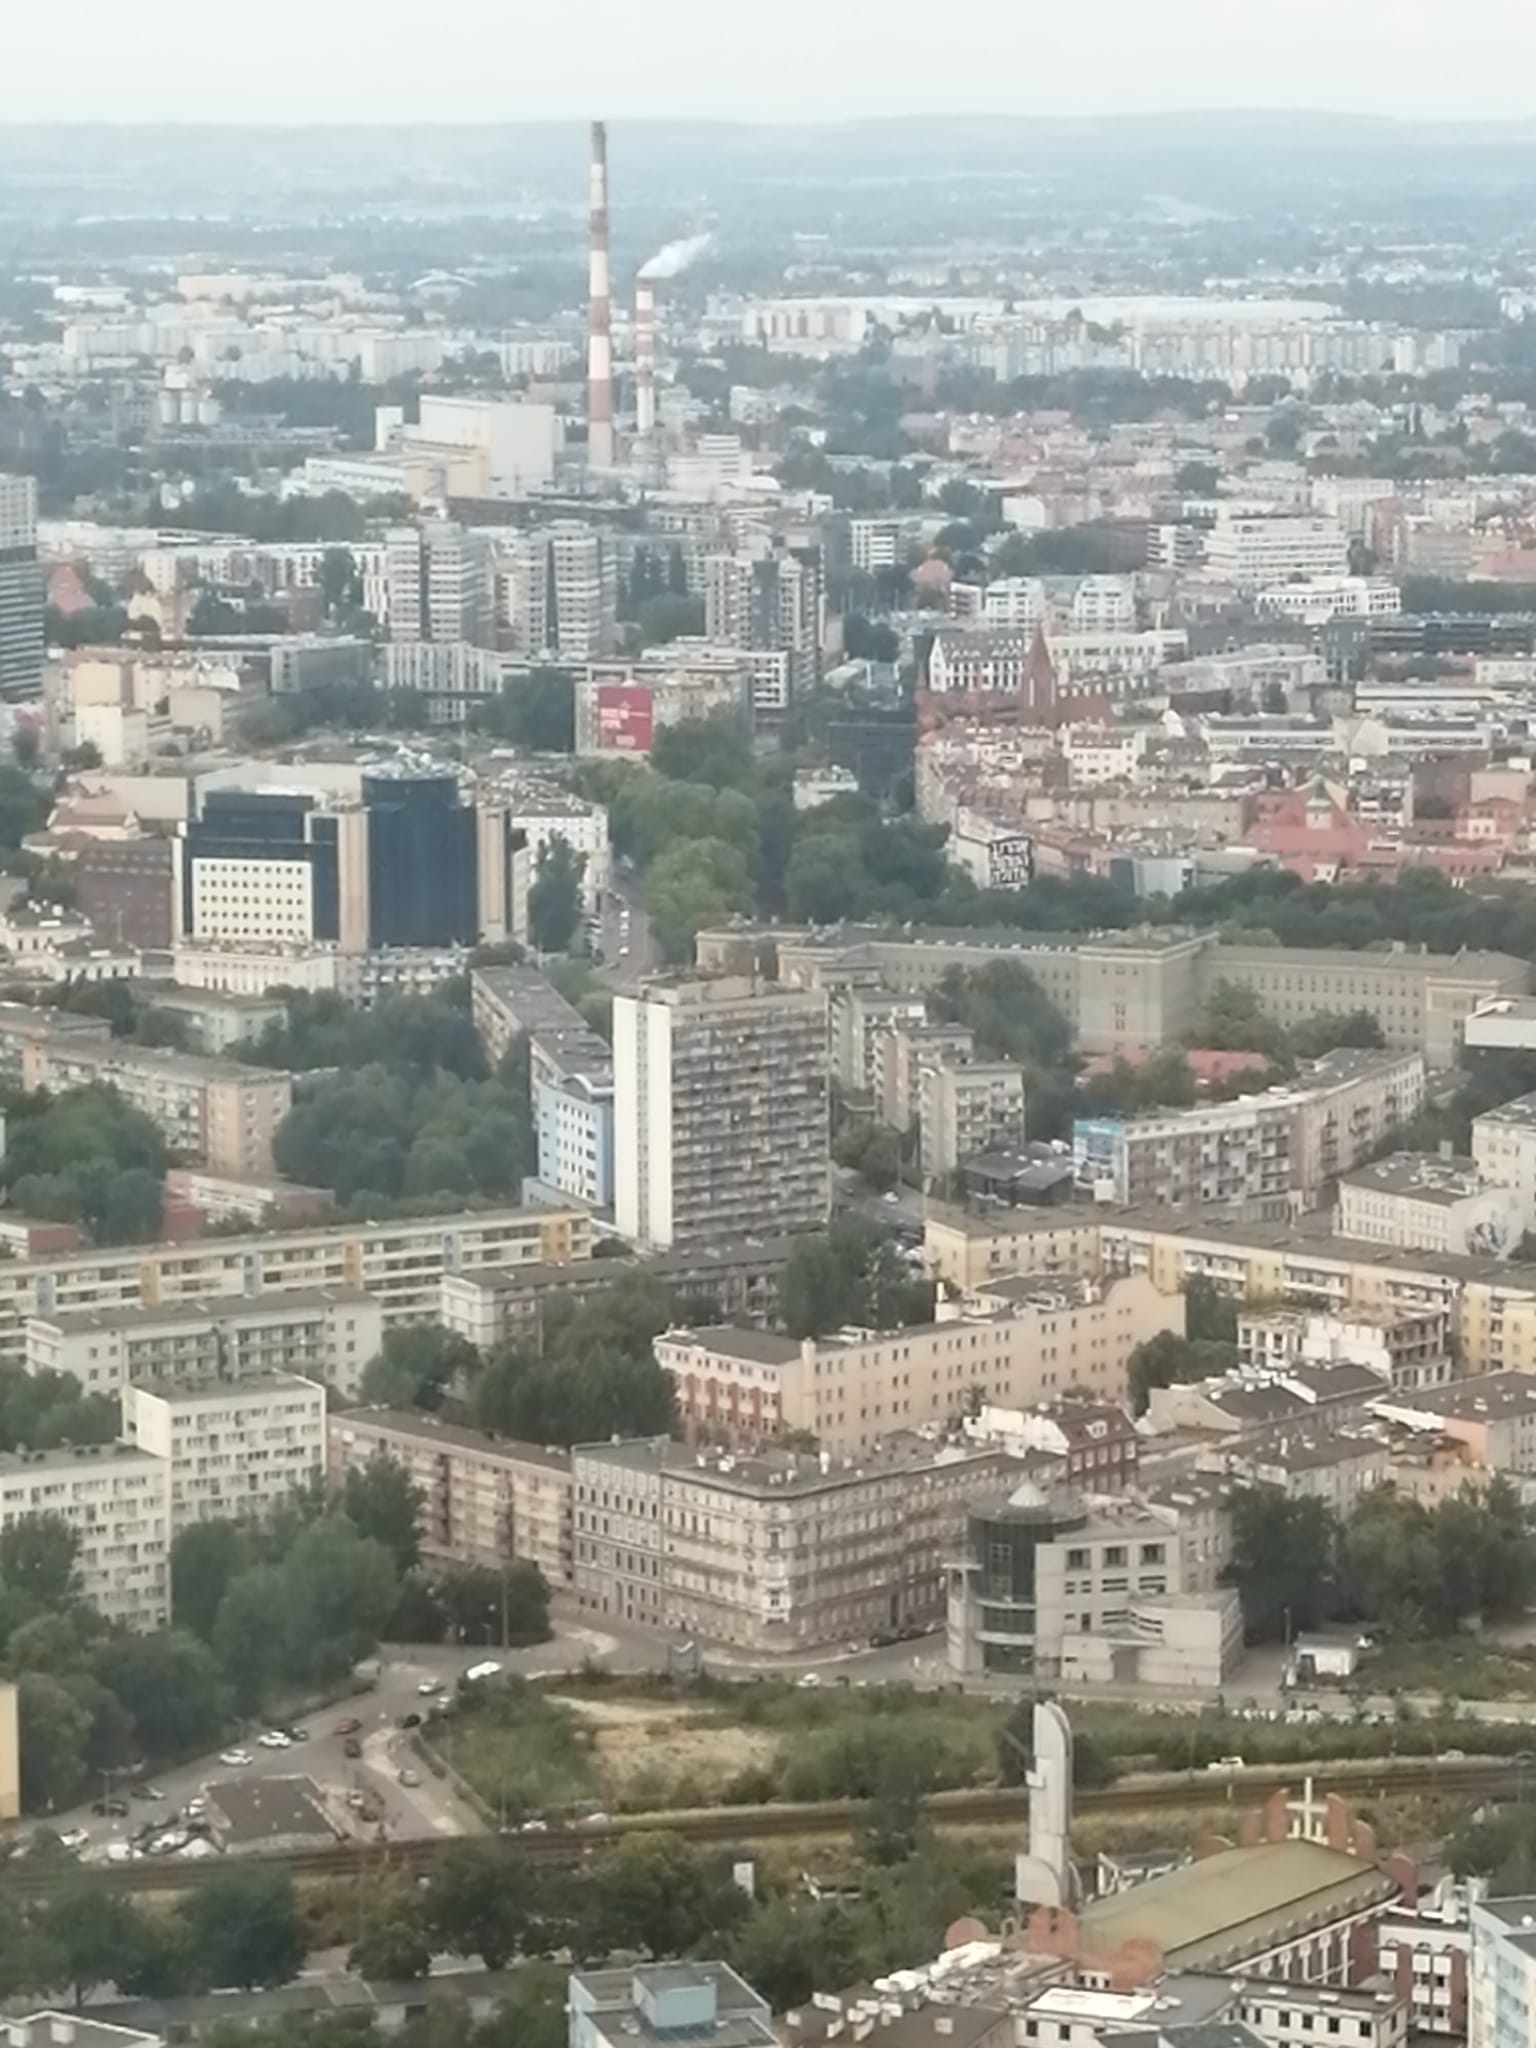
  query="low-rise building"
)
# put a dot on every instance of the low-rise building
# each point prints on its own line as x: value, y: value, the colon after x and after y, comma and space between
x: 1030, y: 1341
x: 1423, y: 1201
x: 484, y: 1500
x: 1492, y: 1416
x: 1086, y: 1589
x: 665, y: 2005
x: 117, y: 1501
x: 237, y: 1449
x: 1408, y: 1348
x: 329, y: 1334
x: 778, y: 1551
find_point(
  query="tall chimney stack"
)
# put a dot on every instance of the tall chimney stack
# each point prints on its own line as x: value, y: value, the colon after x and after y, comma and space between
x: 599, y: 319
x: 645, y: 357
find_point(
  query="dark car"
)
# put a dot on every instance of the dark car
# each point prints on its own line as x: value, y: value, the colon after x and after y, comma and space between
x: 410, y: 1720
x: 348, y: 1726
x: 351, y: 1747
x: 882, y: 1638
x: 112, y: 1809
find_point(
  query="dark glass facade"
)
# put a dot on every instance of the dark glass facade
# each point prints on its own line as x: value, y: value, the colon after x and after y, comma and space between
x: 421, y: 862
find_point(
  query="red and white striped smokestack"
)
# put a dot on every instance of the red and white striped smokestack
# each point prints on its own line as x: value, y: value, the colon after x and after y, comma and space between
x: 645, y: 357
x: 599, y: 314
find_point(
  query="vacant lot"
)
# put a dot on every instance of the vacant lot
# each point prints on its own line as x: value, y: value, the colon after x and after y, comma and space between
x: 652, y: 1753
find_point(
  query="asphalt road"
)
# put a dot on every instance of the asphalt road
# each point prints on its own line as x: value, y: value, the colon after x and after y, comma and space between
x: 628, y: 951
x: 432, y: 1807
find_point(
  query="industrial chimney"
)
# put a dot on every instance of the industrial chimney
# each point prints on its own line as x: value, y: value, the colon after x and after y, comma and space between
x: 600, y: 453
x: 645, y: 357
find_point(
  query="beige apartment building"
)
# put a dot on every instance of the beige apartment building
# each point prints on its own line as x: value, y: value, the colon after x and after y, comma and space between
x: 330, y: 1335
x: 236, y: 1449
x: 967, y: 1107
x: 1491, y: 1304
x: 401, y: 1263
x: 485, y: 1499
x: 773, y: 1552
x: 214, y: 1111
x: 1028, y: 1341
x: 1422, y: 1202
x: 117, y: 1500
x: 1504, y: 1149
x: 1420, y: 1000
x: 964, y: 1251
x: 1126, y: 991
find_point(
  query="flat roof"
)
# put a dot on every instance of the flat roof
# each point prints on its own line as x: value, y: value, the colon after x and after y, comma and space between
x: 1318, y: 1240
x: 427, y: 1429
x: 1419, y: 1176
x: 270, y: 1809
x: 1212, y: 1912
x: 211, y: 1384
x: 1485, y: 1397
x: 1522, y: 1109
x: 216, y: 1308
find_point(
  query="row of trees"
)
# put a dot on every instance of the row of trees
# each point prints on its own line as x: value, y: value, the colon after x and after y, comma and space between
x: 244, y: 1927
x: 1391, y: 1562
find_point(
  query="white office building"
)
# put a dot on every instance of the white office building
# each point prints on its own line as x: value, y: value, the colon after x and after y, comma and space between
x: 1256, y: 551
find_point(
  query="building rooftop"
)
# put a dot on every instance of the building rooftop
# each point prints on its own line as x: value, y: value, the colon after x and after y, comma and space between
x: 67, y: 1456
x: 1488, y: 1397
x: 70, y: 2030
x: 1313, y: 1238
x: 795, y: 1472
x: 1421, y: 1176
x: 218, y: 1308
x: 1522, y: 1110
x: 210, y: 1386
x: 259, y: 1810
x: 1218, y: 1910
x: 428, y: 1429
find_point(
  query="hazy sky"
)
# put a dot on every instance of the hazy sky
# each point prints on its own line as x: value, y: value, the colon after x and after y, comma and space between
x: 496, y: 60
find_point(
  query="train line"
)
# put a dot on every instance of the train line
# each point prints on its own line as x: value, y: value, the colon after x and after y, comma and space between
x: 748, y: 1826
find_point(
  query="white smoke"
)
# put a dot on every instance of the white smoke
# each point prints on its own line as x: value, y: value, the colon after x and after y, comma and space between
x: 675, y: 258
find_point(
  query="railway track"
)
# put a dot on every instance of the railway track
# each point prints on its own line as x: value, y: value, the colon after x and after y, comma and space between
x: 1173, y: 1791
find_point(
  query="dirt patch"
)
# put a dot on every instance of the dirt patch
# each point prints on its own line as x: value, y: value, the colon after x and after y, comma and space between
x: 636, y: 1742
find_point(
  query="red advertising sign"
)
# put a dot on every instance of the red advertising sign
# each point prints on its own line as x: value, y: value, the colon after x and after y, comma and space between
x: 624, y: 718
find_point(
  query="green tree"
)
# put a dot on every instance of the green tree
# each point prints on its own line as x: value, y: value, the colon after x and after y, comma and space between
x: 381, y: 1500
x: 693, y: 884
x: 537, y: 712
x: 171, y: 1687
x: 249, y: 1633
x: 339, y: 1589
x: 97, y: 1936
x: 476, y: 1601
x: 205, y: 1556
x: 554, y: 900
x: 1283, y: 1562
x: 1168, y: 1360
x: 480, y: 1899
x: 37, y: 1559
x: 392, y: 1944
x: 54, y: 1730
x: 666, y: 616
x: 656, y: 1893
x: 417, y: 1366
x: 243, y: 1927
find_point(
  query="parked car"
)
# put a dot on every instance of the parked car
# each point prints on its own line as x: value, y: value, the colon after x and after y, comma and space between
x: 235, y: 1759
x: 429, y: 1688
x: 274, y: 1738
x: 409, y: 1778
x: 297, y: 1734
x: 349, y: 1725
x: 75, y: 1838
x: 111, y: 1808
x: 534, y: 1827
x: 410, y: 1720
x: 351, y: 1747
x: 1227, y: 1763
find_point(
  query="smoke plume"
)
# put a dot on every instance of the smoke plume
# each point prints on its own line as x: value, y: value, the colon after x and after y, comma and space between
x: 676, y: 257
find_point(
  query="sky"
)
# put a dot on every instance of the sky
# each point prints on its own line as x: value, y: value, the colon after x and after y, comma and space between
x: 759, y: 60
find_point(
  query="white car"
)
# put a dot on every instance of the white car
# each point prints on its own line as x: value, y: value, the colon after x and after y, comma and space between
x: 235, y: 1759
x: 275, y: 1739
x: 534, y: 1827
x: 75, y: 1839
x: 429, y: 1688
